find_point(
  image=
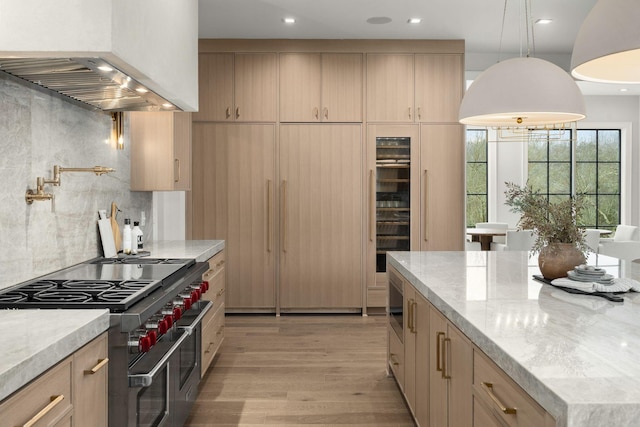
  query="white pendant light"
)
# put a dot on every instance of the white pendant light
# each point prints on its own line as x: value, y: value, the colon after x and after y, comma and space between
x: 522, y: 92
x: 607, y: 48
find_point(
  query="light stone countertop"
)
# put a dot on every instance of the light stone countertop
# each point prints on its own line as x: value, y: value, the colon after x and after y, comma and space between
x: 577, y: 355
x: 200, y: 250
x: 35, y: 340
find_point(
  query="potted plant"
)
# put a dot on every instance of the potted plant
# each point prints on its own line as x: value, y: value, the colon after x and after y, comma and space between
x: 559, y: 241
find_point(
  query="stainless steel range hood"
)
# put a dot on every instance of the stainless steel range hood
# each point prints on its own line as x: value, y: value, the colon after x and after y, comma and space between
x: 102, y: 54
x: 91, y: 81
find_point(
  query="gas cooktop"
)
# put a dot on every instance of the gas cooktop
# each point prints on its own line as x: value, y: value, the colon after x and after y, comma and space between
x: 97, y: 284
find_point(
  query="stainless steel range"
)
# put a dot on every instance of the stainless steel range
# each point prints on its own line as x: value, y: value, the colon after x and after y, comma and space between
x: 154, y: 335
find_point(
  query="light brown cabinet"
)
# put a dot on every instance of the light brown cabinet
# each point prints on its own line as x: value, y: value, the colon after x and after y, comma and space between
x: 233, y: 199
x: 442, y: 188
x: 320, y: 87
x: 237, y: 87
x: 320, y: 216
x: 160, y: 151
x: 73, y: 393
x: 213, y: 322
x: 414, y: 88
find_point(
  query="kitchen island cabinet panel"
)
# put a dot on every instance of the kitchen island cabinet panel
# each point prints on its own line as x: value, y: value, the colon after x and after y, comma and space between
x: 233, y: 199
x: 90, y: 379
x: 320, y: 216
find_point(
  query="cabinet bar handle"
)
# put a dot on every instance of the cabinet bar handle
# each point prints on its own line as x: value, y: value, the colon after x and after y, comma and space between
x: 228, y: 112
x: 219, y: 294
x: 419, y: 113
x: 488, y: 387
x: 372, y: 205
x: 446, y: 343
x: 439, y: 352
x: 392, y: 357
x: 326, y: 113
x: 237, y: 112
x: 414, y: 304
x: 208, y: 350
x: 315, y: 113
x: 284, y: 215
x: 176, y: 167
x: 426, y: 204
x: 409, y: 113
x: 269, y: 215
x: 410, y: 315
x: 54, y: 402
x: 100, y: 365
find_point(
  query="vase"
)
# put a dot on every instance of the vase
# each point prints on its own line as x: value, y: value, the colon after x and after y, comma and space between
x: 556, y: 259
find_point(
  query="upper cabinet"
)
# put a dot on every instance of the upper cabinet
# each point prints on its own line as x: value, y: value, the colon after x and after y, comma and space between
x: 424, y: 88
x: 237, y: 87
x: 320, y: 87
x: 160, y: 151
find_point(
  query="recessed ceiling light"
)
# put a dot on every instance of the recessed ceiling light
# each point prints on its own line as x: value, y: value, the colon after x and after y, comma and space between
x: 544, y: 21
x: 167, y: 105
x: 289, y: 20
x: 141, y: 90
x: 379, y: 20
x: 105, y: 68
x: 414, y: 20
x: 624, y: 89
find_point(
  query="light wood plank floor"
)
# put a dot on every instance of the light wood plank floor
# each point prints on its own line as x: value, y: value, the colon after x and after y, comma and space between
x: 300, y: 370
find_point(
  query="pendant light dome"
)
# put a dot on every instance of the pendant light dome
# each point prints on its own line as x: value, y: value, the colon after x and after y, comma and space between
x: 607, y: 48
x: 522, y: 92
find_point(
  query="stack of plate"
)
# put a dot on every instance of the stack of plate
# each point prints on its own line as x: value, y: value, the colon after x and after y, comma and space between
x: 588, y: 273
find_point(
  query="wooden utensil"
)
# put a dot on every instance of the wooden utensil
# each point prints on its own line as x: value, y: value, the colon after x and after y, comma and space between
x: 117, y: 237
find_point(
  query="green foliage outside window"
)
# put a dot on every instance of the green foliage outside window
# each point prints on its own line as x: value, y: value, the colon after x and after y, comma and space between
x: 476, y: 176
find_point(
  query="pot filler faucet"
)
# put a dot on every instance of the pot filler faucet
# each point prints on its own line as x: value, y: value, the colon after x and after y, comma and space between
x: 39, y: 193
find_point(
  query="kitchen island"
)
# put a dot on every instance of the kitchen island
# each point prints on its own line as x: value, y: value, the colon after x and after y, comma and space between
x: 576, y: 355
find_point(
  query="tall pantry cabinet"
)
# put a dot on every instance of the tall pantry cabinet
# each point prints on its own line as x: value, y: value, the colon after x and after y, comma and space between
x: 301, y: 163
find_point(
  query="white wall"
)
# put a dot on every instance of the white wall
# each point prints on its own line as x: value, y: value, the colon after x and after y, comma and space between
x: 508, y: 159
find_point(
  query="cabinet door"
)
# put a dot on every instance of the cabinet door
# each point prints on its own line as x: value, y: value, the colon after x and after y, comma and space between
x: 233, y: 199
x: 482, y: 416
x: 90, y: 377
x: 341, y: 87
x: 439, y: 87
x: 215, y: 82
x: 390, y: 88
x: 442, y: 187
x: 459, y: 367
x: 421, y: 311
x: 409, y: 330
x: 255, y: 87
x: 182, y: 151
x: 320, y: 216
x: 300, y: 84
x: 438, y: 404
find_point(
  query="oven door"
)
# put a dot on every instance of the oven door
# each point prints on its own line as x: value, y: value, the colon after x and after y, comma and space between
x: 163, y: 385
x: 395, y: 305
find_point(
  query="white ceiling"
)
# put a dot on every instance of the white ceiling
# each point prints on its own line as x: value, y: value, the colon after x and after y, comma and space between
x: 478, y: 22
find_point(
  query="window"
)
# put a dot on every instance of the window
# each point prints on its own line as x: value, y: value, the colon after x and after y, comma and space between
x: 597, y: 176
x: 596, y: 171
x: 476, y: 176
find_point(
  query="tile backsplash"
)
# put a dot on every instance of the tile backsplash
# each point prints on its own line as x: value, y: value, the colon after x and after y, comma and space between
x: 37, y: 131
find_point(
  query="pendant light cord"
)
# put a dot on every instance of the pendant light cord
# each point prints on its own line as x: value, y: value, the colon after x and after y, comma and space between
x: 504, y: 14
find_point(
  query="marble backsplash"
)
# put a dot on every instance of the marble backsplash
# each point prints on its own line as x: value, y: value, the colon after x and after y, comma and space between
x: 38, y: 131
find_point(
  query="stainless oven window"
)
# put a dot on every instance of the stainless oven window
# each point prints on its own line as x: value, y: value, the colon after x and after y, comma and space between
x: 152, y: 403
x: 396, y: 302
x: 188, y: 358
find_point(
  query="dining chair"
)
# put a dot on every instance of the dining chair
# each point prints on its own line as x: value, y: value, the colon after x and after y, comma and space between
x: 592, y: 239
x: 495, y: 225
x: 516, y: 240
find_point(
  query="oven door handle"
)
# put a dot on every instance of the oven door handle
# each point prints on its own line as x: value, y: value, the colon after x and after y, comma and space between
x: 190, y: 329
x: 145, y: 380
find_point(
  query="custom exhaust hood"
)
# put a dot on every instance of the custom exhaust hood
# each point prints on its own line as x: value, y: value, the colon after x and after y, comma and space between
x: 114, y: 55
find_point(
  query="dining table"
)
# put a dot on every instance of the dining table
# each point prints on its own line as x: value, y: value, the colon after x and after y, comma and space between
x: 485, y: 236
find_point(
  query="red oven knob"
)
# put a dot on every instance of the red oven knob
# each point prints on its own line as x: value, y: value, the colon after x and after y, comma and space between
x: 162, y: 326
x: 168, y: 320
x: 177, y: 313
x: 153, y: 337
x: 195, y: 295
x: 144, y: 344
x: 186, y: 302
x: 204, y: 287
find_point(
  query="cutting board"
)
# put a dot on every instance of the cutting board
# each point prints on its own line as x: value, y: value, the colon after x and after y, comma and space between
x: 106, y: 235
x: 117, y: 237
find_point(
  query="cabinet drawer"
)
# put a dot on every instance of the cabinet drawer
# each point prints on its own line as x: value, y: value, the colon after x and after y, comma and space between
x: 212, y: 336
x: 376, y: 297
x: 396, y: 357
x: 505, y: 393
x: 216, y: 290
x: 47, y: 398
x: 216, y: 264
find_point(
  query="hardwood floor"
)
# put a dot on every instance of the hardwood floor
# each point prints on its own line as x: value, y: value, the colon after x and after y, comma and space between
x: 300, y: 370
